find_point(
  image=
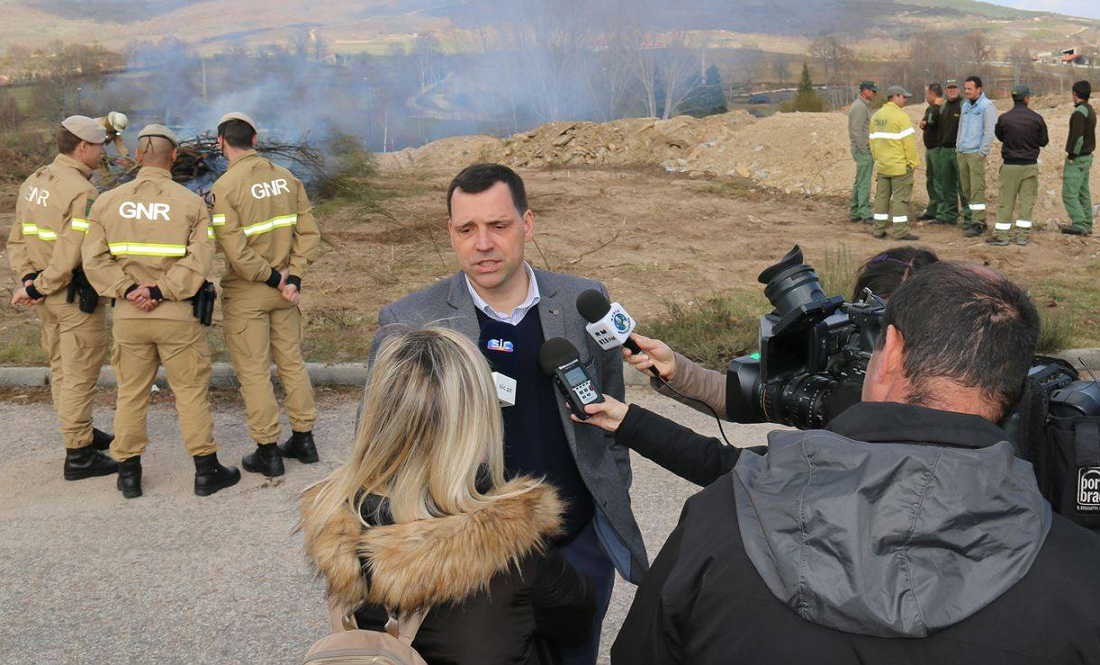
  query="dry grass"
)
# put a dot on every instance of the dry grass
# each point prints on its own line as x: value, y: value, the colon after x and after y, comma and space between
x: 711, y: 331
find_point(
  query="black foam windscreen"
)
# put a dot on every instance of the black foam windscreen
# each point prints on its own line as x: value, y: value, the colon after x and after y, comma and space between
x: 555, y: 352
x: 592, y: 305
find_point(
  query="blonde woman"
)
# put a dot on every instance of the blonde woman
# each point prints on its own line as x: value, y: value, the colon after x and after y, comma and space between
x: 422, y: 518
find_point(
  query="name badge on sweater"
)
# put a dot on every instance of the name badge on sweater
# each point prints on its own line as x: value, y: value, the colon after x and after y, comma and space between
x: 506, y: 389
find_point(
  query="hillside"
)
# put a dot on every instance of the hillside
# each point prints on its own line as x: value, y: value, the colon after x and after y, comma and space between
x: 802, y: 154
x: 356, y: 25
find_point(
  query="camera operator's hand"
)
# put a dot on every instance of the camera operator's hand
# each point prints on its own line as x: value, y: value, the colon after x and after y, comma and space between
x: 655, y: 353
x: 607, y: 415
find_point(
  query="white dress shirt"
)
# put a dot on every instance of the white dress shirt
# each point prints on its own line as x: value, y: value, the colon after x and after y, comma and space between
x: 516, y: 316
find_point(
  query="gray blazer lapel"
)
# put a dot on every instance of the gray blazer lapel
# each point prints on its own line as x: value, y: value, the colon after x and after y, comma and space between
x: 460, y: 314
x: 552, y: 315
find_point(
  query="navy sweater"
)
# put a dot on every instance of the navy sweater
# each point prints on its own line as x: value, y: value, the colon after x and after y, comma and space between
x: 534, y: 439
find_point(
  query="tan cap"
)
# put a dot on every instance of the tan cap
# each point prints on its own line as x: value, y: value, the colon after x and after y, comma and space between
x: 239, y: 116
x: 85, y: 128
x: 159, y: 130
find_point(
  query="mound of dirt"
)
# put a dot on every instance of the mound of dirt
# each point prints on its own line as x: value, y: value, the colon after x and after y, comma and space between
x: 627, y: 142
x: 803, y: 153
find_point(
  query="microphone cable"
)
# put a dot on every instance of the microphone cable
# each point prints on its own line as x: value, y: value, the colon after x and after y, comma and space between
x: 708, y: 407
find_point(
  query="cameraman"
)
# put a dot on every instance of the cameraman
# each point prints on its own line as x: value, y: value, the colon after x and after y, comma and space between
x: 909, y: 517
x: 882, y: 274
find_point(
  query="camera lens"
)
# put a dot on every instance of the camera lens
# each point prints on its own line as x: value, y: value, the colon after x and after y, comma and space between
x: 791, y: 283
x: 799, y: 401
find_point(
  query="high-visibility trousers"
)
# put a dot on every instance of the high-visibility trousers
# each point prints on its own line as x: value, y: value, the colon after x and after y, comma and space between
x: 972, y: 188
x: 1019, y: 189
x: 892, y: 195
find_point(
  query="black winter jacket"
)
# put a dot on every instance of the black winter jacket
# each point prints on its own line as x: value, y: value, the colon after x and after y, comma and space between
x: 1022, y: 132
x: 494, y: 595
x: 905, y: 536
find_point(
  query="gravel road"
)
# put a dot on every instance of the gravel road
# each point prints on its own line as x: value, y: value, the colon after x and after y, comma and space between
x: 173, y: 578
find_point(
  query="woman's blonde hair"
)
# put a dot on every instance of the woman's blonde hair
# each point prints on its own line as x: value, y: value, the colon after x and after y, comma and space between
x: 430, y: 426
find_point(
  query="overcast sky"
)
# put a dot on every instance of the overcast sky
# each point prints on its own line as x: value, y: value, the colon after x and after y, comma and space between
x: 1090, y: 8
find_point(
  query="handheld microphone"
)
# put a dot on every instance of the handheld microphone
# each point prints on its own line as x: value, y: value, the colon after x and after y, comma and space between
x: 497, y: 345
x: 609, y: 324
x: 559, y: 359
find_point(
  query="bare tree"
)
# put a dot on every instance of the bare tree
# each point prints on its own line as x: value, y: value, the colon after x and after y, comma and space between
x: 834, y: 56
x: 678, y: 75
x: 1023, y: 67
x: 426, y: 48
x: 780, y: 69
x: 613, y: 80
x: 550, y: 44
x: 298, y: 44
x: 318, y: 45
x: 977, y: 49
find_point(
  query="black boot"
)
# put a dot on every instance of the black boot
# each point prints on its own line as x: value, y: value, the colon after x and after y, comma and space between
x: 211, y: 476
x: 300, y: 447
x: 265, y: 459
x: 129, y: 477
x: 101, y: 440
x: 87, y: 462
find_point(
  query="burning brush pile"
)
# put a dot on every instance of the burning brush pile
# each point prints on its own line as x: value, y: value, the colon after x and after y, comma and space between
x: 199, y: 163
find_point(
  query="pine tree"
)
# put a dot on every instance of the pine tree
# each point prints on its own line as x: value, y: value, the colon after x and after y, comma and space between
x: 707, y: 96
x: 807, y: 100
x: 805, y: 84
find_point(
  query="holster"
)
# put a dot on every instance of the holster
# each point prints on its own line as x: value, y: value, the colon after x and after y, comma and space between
x: 202, y: 303
x: 81, y: 290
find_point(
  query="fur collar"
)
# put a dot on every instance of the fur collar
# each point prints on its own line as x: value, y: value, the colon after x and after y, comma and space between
x: 433, y: 561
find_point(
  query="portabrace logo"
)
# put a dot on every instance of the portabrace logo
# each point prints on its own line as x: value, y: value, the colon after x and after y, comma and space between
x: 621, y: 322
x: 1088, y: 489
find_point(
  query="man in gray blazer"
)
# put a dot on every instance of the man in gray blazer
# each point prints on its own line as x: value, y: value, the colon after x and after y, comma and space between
x: 510, y: 309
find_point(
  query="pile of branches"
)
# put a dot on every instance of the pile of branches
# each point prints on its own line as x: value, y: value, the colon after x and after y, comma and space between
x: 199, y: 163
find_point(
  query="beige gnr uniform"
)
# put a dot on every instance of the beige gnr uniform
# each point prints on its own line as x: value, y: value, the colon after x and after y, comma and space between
x: 263, y: 223
x: 44, y: 245
x: 152, y: 230
x: 114, y: 136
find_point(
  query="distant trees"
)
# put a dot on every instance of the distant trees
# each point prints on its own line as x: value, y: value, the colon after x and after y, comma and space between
x: 1023, y: 67
x: 836, y: 58
x: 938, y: 55
x: 10, y: 115
x: 62, y: 71
x: 780, y: 69
x: 976, y: 49
x: 707, y: 96
x: 427, y: 50
x: 807, y: 100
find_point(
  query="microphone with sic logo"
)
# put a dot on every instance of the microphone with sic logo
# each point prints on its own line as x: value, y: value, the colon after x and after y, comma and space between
x: 608, y: 323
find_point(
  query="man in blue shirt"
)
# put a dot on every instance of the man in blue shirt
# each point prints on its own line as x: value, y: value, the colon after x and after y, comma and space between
x: 975, y: 140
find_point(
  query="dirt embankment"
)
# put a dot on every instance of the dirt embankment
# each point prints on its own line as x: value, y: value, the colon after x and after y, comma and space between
x: 801, y: 153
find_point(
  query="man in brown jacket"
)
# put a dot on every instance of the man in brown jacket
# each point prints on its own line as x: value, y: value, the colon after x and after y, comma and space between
x: 44, y: 251
x: 149, y: 247
x: 264, y: 225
